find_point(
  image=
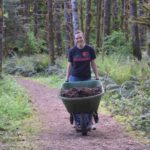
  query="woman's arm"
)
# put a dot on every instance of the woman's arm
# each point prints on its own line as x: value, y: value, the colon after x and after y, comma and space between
x: 93, y: 65
x: 68, y: 71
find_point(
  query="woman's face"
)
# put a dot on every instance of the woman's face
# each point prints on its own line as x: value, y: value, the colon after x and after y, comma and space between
x: 79, y: 39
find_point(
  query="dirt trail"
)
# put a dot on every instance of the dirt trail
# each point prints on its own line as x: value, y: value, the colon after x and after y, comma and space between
x: 58, y: 134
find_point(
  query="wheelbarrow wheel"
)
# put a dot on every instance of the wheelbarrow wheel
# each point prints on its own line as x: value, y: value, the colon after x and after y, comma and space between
x: 83, y: 123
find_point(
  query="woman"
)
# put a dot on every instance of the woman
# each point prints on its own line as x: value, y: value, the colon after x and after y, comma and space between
x: 81, y: 59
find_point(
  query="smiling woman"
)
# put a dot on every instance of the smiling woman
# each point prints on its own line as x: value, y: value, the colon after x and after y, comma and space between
x: 80, y: 61
x: 81, y: 58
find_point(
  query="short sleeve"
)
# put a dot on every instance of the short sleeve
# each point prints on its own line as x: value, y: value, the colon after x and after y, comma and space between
x: 70, y: 56
x: 93, y: 55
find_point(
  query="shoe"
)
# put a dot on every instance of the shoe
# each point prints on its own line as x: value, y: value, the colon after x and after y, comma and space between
x: 91, y: 126
x: 78, y: 128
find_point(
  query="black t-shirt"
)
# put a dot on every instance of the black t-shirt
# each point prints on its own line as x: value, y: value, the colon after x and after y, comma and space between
x: 80, y: 60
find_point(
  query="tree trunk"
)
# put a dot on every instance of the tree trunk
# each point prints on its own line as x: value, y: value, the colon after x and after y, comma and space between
x: 68, y: 25
x: 26, y: 11
x: 1, y: 36
x: 35, y: 12
x: 107, y: 16
x: 51, y: 32
x: 148, y: 40
x: 126, y: 16
x: 115, y: 14
x: 141, y: 28
x: 99, y: 31
x: 75, y: 18
x: 57, y: 27
x: 88, y: 21
x: 121, y: 15
x: 81, y: 15
x: 135, y: 31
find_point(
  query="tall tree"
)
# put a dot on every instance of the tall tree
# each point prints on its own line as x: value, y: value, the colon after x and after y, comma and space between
x: 107, y: 16
x: 81, y: 15
x: 88, y: 21
x: 51, y: 32
x: 68, y: 25
x: 135, y: 31
x: 148, y: 41
x: 124, y: 25
x: 122, y: 14
x: 57, y: 27
x: 115, y: 13
x: 144, y: 20
x: 75, y: 18
x: 35, y: 12
x: 26, y: 11
x: 1, y: 35
x: 141, y: 28
x: 99, y: 27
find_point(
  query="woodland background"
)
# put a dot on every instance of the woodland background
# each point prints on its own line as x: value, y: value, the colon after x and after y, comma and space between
x: 35, y: 36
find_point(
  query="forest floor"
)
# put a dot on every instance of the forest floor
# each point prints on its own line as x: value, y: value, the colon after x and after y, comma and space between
x: 56, y: 133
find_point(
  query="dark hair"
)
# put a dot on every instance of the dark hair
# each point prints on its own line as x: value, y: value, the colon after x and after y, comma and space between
x: 78, y: 31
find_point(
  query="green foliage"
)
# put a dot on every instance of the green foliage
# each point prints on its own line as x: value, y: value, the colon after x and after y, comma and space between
x: 121, y: 69
x: 116, y: 43
x: 62, y: 61
x: 135, y: 109
x: 14, y: 104
x: 33, y: 44
x: 52, y: 81
x: 34, y: 63
x: 113, y: 67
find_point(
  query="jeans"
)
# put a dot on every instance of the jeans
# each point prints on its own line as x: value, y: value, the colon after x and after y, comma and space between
x: 73, y: 79
x: 77, y: 116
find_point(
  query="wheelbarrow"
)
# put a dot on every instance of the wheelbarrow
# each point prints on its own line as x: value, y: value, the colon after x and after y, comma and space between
x: 82, y: 105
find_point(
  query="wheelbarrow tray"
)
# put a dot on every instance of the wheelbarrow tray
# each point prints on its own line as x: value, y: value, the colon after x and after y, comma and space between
x: 82, y: 104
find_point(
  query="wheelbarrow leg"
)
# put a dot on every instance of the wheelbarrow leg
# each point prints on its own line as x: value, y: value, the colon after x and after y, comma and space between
x: 71, y: 118
x: 95, y: 116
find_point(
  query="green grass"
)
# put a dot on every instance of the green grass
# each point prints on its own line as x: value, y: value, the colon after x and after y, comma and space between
x: 51, y: 81
x: 14, y: 105
x: 121, y: 69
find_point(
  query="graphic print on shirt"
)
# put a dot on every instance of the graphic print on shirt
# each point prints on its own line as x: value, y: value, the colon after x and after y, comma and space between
x: 85, y: 56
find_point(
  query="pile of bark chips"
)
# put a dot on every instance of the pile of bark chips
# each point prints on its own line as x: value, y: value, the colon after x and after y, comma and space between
x: 80, y: 92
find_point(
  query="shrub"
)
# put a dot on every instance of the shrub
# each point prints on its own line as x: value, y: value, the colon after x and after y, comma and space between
x: 116, y: 43
x: 34, y: 45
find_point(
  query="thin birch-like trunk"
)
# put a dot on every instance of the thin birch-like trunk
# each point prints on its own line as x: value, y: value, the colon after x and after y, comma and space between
x: 1, y: 36
x: 75, y: 18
